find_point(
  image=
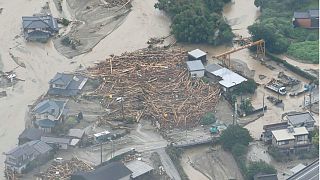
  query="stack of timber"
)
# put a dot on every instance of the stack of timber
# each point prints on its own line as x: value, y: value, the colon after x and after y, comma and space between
x: 64, y: 170
x: 154, y: 84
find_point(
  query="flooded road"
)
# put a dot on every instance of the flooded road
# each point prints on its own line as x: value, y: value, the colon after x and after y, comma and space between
x: 43, y: 61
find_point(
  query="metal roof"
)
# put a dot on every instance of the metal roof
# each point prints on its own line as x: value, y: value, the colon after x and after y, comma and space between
x: 29, y: 148
x: 78, y: 133
x: 311, y: 172
x: 314, y: 13
x: 297, y: 168
x: 55, y: 140
x: 52, y: 107
x: 197, y: 53
x: 101, y: 133
x: 40, y: 146
x: 138, y: 168
x: 229, y: 78
x: 41, y: 21
x: 284, y: 134
x: 213, y: 67
x: 195, y: 65
x: 73, y: 83
x: 46, y: 123
x: 301, y: 15
x: 31, y: 134
x: 298, y: 118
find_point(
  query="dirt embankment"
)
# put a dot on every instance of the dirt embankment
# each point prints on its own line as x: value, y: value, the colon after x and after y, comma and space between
x: 95, y: 20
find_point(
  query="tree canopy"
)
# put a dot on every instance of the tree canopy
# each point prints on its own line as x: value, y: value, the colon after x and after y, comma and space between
x: 235, y: 134
x: 197, y: 21
x: 259, y: 167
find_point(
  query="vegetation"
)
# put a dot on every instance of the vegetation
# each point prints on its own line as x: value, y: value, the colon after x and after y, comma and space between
x: 249, y: 86
x: 197, y: 21
x: 233, y: 135
x: 246, y: 106
x: 259, y: 167
x: 275, y: 24
x: 308, y: 50
x: 208, y: 118
x: 175, y: 156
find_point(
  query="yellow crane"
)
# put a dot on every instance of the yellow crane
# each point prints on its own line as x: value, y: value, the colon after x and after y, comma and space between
x: 225, y: 57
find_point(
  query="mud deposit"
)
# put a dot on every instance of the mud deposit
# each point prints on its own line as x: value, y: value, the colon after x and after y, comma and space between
x: 94, y: 21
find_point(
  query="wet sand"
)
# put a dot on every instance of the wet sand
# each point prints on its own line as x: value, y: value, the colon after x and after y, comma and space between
x: 43, y: 61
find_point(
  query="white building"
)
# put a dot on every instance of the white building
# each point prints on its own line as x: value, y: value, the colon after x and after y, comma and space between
x: 196, y: 68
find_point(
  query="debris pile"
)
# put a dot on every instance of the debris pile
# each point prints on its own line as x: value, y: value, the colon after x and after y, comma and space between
x: 65, y: 169
x: 114, y: 3
x: 154, y: 84
x: 286, y: 80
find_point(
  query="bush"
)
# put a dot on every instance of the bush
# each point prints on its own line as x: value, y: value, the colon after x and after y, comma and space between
x: 208, y: 118
x: 249, y: 86
x: 233, y: 135
x: 259, y: 167
x: 246, y: 106
x: 239, y: 150
x: 308, y: 50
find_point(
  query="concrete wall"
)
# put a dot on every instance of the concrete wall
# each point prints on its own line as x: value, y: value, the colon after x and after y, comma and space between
x: 198, y: 74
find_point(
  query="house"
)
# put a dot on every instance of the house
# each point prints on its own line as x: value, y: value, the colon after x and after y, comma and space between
x: 266, y: 135
x: 20, y: 158
x: 226, y: 78
x: 48, y: 113
x: 139, y: 169
x: 310, y: 172
x: 196, y: 68
x: 56, y: 142
x: 197, y: 54
x: 291, y: 139
x: 301, y: 119
x: 111, y: 171
x: 30, y: 134
x: 39, y: 27
x: 309, y: 19
x: 66, y: 84
x: 263, y: 176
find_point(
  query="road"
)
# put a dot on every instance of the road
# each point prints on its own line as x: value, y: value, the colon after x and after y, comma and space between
x: 168, y: 164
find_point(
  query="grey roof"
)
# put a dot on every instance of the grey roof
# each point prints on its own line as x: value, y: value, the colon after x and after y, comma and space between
x: 46, y: 123
x: 311, y: 172
x: 111, y: 171
x: 78, y: 133
x: 299, y: 118
x: 197, y: 53
x: 285, y: 134
x: 52, y: 107
x: 55, y: 140
x: 138, y: 168
x: 34, y: 22
x: 31, y: 134
x: 73, y: 83
x: 314, y: 13
x: 262, y: 176
x: 282, y: 125
x: 301, y: 15
x: 195, y: 65
x: 29, y: 148
x: 213, y: 67
x: 297, y: 168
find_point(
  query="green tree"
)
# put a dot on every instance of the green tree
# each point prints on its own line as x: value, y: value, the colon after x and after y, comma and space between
x: 239, y: 150
x: 246, y: 106
x: 208, y: 118
x: 235, y: 134
x: 259, y: 167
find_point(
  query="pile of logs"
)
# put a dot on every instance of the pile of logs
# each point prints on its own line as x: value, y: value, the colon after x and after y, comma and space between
x: 65, y: 169
x: 114, y: 3
x: 153, y: 84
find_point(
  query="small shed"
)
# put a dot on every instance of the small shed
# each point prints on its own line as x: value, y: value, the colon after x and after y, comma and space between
x: 197, y: 54
x: 138, y: 168
x: 196, y: 68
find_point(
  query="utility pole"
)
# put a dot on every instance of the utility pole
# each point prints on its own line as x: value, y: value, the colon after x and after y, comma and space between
x: 263, y: 104
x: 310, y: 104
x: 234, y: 112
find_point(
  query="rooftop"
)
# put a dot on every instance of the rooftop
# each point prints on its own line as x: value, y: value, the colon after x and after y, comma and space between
x: 297, y: 168
x: 282, y: 125
x: 138, y: 168
x: 111, y: 171
x: 46, y: 123
x: 29, y: 148
x: 195, y: 65
x: 229, y: 78
x: 52, y: 107
x: 284, y: 134
x: 312, y: 13
x: 39, y: 21
x: 53, y: 140
x: 72, y: 84
x: 101, y: 133
x: 77, y: 133
x: 299, y: 118
x: 197, y: 53
x: 31, y: 134
x: 311, y: 172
